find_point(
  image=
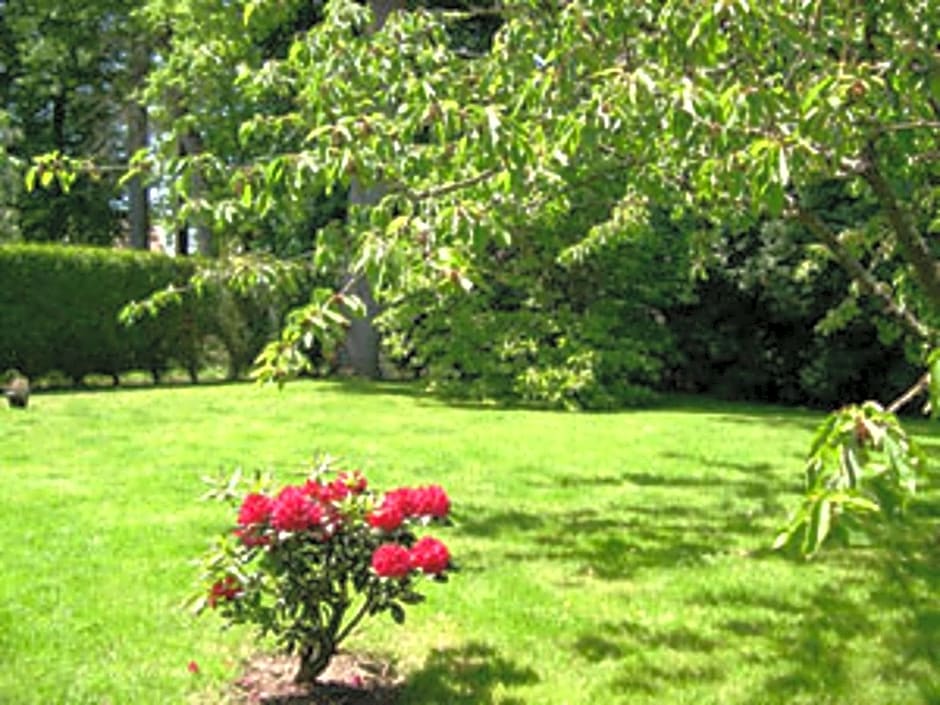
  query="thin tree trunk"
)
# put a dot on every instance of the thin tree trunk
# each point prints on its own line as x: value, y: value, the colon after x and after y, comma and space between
x: 361, y: 348
x: 137, y: 129
x: 191, y: 144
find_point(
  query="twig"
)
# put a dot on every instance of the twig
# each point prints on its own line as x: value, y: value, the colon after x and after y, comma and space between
x: 451, y: 187
x: 911, y: 394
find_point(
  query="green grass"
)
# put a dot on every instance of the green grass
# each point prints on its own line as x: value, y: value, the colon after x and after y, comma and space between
x: 605, y: 559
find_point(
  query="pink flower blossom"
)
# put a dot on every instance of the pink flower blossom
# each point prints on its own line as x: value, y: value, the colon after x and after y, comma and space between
x: 431, y: 501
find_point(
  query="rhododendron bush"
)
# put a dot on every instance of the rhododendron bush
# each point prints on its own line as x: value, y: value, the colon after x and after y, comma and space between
x: 308, y: 562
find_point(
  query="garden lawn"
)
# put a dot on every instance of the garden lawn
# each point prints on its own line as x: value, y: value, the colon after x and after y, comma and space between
x: 614, y: 558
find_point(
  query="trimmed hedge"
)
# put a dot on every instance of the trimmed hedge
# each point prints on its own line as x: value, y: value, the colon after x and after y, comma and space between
x: 59, y: 313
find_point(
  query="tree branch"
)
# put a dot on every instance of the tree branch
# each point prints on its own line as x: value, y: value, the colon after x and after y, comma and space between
x: 862, y: 276
x: 925, y: 266
x: 451, y: 187
x: 910, y: 125
x: 919, y: 386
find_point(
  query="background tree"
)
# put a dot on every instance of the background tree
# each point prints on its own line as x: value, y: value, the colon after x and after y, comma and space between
x: 61, y: 88
x: 11, y: 176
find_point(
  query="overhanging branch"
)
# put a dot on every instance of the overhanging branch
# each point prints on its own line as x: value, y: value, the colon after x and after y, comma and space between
x: 925, y: 267
x: 907, y: 397
x: 865, y: 279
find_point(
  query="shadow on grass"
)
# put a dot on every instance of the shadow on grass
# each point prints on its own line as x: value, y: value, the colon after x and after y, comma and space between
x: 880, y: 622
x: 469, y: 675
x: 614, y: 641
x: 612, y: 547
x: 756, y: 481
x: 817, y: 657
x: 363, y: 387
x: 722, y: 410
x: 749, y: 468
x: 683, y: 519
x: 894, y: 607
x: 648, y: 672
x: 876, y: 608
x: 174, y: 384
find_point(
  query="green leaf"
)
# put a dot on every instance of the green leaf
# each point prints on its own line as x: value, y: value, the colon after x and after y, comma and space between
x: 398, y: 224
x: 493, y: 122
x: 813, y: 93
x: 397, y: 612
x: 823, y: 521
x: 704, y: 20
x: 774, y: 199
x: 851, y: 468
x: 249, y: 10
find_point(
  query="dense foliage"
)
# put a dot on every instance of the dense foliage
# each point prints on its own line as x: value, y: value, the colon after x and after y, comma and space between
x: 59, y: 308
x: 65, y: 84
x: 774, y: 319
x: 563, y: 333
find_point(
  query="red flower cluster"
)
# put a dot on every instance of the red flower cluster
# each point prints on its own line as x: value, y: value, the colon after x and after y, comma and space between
x: 387, y: 517
x: 315, y: 542
x: 255, y: 509
x: 431, y: 501
x: 226, y: 589
x: 295, y: 510
x: 409, y: 502
x: 390, y: 560
x: 430, y: 556
x: 252, y: 517
x: 343, y: 486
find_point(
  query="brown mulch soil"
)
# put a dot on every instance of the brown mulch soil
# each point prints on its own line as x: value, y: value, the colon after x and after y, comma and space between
x: 349, y: 680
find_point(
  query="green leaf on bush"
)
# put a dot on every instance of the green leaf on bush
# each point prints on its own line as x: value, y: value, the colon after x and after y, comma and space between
x: 397, y: 612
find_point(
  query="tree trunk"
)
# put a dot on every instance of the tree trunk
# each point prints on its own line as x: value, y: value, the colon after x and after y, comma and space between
x: 381, y: 9
x: 313, y: 661
x: 361, y: 348
x: 190, y: 144
x: 137, y: 128
x: 182, y: 240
